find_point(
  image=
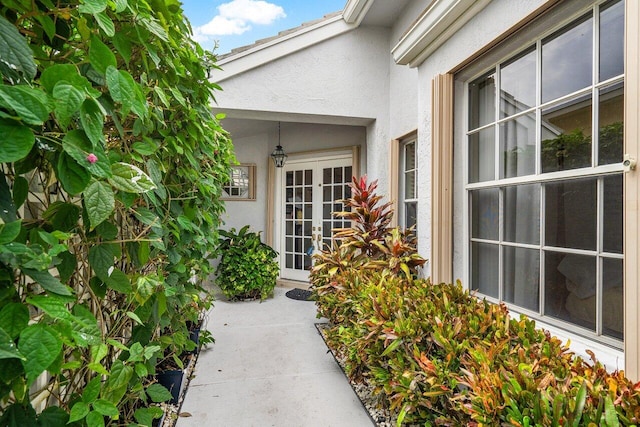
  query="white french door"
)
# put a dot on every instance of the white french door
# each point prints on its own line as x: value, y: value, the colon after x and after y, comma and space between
x: 311, y: 190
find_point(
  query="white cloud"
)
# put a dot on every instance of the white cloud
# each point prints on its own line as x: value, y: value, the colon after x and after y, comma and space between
x: 236, y: 18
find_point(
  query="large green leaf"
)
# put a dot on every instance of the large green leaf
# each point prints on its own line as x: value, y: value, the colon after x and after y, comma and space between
x: 79, y: 411
x: 77, y: 145
x: 116, y: 385
x: 9, y: 231
x: 41, y: 346
x: 68, y: 73
x: 47, y: 281
x: 84, y: 325
x: 145, y: 416
x: 121, y: 87
x: 101, y: 259
x: 67, y: 100
x: 100, y: 55
x: 30, y: 105
x: 17, y: 141
x: 8, y: 349
x: 92, y: 120
x: 54, y: 306
x: 130, y: 178
x: 20, y: 190
x: 92, y: 6
x: 99, y: 202
x: 158, y: 393
x: 92, y: 390
x: 73, y: 177
x: 53, y: 416
x: 14, y: 317
x: 16, y: 58
x: 105, y: 23
x: 106, y: 408
x: 118, y: 281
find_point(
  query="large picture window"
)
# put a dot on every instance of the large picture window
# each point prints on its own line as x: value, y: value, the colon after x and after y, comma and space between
x: 544, y: 177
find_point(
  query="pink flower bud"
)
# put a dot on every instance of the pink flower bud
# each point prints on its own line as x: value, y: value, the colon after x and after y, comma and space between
x: 92, y: 158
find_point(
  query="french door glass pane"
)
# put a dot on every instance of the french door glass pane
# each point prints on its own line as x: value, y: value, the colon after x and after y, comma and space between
x: 571, y: 214
x: 298, y: 203
x: 482, y: 93
x: 518, y: 146
x: 522, y: 214
x: 482, y: 155
x: 570, y: 288
x: 521, y: 276
x: 567, y: 58
x: 484, y: 268
x: 611, y: 40
x: 613, y: 208
x: 610, y: 128
x: 566, y: 130
x: 485, y: 208
x: 612, y: 298
x: 518, y: 84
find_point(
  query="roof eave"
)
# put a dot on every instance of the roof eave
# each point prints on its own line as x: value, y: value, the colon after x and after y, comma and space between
x: 438, y: 23
x: 355, y: 11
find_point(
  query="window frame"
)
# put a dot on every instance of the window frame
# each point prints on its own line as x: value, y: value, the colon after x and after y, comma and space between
x: 251, y: 184
x: 599, y: 172
x: 402, y: 179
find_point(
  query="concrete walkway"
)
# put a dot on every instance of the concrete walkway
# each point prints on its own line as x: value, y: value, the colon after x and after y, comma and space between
x: 269, y: 367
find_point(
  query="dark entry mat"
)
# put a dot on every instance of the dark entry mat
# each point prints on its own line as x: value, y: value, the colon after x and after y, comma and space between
x: 299, y: 294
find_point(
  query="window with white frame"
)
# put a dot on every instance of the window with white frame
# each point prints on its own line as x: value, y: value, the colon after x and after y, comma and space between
x: 241, y: 184
x: 408, y: 203
x: 544, y: 177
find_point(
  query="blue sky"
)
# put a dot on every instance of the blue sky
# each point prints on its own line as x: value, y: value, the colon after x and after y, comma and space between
x: 234, y: 23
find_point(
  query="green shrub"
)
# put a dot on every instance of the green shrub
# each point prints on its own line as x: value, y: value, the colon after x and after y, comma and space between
x: 437, y: 355
x: 247, y: 268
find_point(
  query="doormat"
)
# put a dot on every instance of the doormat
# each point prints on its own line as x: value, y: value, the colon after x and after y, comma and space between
x: 299, y: 294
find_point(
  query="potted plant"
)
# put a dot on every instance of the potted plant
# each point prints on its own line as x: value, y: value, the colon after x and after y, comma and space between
x: 247, y: 268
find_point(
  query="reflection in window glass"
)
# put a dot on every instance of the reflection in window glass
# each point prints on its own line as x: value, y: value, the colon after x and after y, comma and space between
x: 522, y: 214
x: 611, y: 40
x: 610, y: 128
x: 410, y: 214
x: 571, y: 214
x: 484, y: 268
x: 612, y: 298
x: 522, y: 277
x: 518, y: 84
x: 570, y: 288
x: 482, y: 156
x: 482, y: 94
x: 567, y: 59
x: 518, y: 146
x: 485, y: 208
x: 569, y: 125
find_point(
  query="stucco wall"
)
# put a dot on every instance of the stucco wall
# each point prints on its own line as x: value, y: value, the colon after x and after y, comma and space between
x: 343, y: 76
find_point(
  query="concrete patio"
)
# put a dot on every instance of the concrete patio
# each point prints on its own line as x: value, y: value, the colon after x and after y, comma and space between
x: 269, y: 367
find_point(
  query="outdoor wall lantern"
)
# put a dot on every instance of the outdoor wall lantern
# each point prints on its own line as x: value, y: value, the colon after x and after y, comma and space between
x: 278, y: 155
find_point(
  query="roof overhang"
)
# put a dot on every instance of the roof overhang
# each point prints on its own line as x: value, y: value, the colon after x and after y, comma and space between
x: 435, y: 26
x: 355, y: 11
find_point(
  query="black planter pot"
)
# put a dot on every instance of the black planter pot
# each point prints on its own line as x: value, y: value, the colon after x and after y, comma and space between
x: 172, y: 380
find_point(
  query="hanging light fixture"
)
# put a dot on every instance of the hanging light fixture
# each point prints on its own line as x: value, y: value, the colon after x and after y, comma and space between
x: 278, y: 155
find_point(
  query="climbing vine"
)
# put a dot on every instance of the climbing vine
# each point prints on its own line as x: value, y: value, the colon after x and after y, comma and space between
x: 111, y: 166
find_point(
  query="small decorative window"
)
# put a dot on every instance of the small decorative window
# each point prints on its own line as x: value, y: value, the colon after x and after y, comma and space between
x: 241, y: 184
x: 408, y: 205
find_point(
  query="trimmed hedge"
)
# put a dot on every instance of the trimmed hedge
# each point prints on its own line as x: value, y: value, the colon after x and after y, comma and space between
x: 440, y: 356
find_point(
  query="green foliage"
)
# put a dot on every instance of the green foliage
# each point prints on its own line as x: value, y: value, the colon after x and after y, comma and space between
x: 436, y: 355
x: 111, y: 168
x: 247, y: 268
